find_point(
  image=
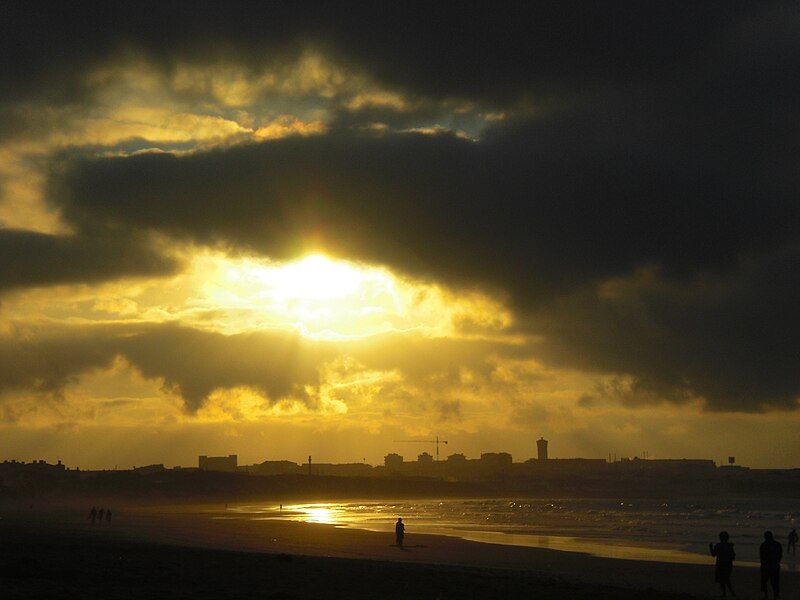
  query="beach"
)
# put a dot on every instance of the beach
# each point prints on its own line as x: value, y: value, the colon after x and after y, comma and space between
x: 190, y: 551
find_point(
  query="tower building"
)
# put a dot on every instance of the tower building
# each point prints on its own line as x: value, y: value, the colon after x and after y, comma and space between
x: 541, y: 446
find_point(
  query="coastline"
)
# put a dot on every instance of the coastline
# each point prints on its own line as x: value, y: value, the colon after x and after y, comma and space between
x: 623, y: 548
x: 184, y: 527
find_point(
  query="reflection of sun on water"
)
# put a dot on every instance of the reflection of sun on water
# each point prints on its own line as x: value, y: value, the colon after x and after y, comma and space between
x: 320, y: 515
x: 327, y: 514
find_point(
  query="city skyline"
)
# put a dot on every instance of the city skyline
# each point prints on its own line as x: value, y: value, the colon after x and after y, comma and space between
x: 425, y: 454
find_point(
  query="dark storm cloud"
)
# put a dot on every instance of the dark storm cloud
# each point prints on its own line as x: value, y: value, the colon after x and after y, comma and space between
x: 489, y: 51
x: 663, y: 137
x: 535, y: 207
x: 732, y: 339
x: 692, y: 172
x: 30, y: 259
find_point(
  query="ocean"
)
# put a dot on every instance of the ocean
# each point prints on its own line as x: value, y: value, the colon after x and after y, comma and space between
x: 663, y: 530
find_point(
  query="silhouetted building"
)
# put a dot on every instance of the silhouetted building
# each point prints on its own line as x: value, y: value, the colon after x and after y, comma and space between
x: 36, y: 466
x: 669, y: 466
x: 425, y: 458
x: 147, y: 470
x: 342, y: 469
x: 393, y: 461
x: 274, y: 467
x: 226, y: 464
x: 566, y: 465
x: 496, y: 459
x: 541, y: 447
x: 459, y: 459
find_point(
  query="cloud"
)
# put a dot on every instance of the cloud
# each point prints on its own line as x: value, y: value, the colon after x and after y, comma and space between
x: 730, y: 339
x: 639, y: 214
x: 29, y: 259
x: 190, y: 362
x: 477, y: 52
x: 548, y: 209
x: 193, y: 363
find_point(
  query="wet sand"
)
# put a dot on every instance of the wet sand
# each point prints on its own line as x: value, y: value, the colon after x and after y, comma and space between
x: 164, y: 549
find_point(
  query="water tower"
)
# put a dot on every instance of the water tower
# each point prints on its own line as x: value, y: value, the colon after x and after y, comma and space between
x: 541, y: 446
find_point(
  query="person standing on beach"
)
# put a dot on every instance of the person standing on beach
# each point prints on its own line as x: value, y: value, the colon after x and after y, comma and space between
x: 108, y: 516
x: 724, y: 565
x: 399, y: 532
x: 791, y: 547
x: 93, y: 514
x: 100, y: 515
x: 771, y: 553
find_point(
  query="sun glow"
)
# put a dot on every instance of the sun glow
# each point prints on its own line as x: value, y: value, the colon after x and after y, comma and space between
x: 320, y: 514
x: 312, y: 279
x: 326, y: 298
x: 319, y: 296
x: 327, y: 514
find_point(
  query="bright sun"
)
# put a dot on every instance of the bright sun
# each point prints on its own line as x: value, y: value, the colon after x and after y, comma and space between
x: 312, y: 279
x: 321, y: 297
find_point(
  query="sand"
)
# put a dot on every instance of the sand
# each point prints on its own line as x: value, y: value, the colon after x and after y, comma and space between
x: 187, y: 552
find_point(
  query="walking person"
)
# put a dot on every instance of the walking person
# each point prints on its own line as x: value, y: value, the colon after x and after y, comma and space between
x: 108, y: 516
x: 101, y: 513
x: 771, y: 553
x: 93, y: 514
x: 723, y: 552
x: 399, y: 532
x: 791, y: 547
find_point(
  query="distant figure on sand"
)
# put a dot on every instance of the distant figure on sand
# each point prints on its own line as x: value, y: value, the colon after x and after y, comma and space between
x: 399, y: 532
x: 100, y: 515
x: 93, y: 514
x: 725, y: 555
x: 108, y: 516
x: 771, y: 553
x: 791, y: 547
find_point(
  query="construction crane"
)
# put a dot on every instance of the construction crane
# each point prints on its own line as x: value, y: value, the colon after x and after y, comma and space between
x: 436, y: 443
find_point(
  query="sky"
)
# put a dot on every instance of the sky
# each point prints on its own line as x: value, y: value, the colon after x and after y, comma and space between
x: 282, y: 229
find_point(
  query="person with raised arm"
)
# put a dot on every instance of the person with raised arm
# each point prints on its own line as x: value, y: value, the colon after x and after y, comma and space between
x: 723, y: 552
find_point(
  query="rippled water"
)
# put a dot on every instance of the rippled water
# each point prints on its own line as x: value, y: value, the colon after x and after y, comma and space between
x: 678, y: 531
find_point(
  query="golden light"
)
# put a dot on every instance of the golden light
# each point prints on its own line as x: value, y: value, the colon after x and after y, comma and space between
x: 326, y: 298
x: 311, y: 279
x: 328, y: 514
x: 319, y: 296
x: 320, y: 514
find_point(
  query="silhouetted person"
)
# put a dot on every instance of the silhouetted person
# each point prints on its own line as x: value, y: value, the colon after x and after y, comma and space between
x: 93, y: 514
x: 722, y: 570
x: 791, y: 547
x: 771, y: 553
x: 108, y: 516
x: 100, y: 515
x: 399, y: 532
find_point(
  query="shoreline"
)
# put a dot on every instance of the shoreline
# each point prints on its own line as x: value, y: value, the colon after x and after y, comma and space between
x: 620, y: 548
x: 195, y: 528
